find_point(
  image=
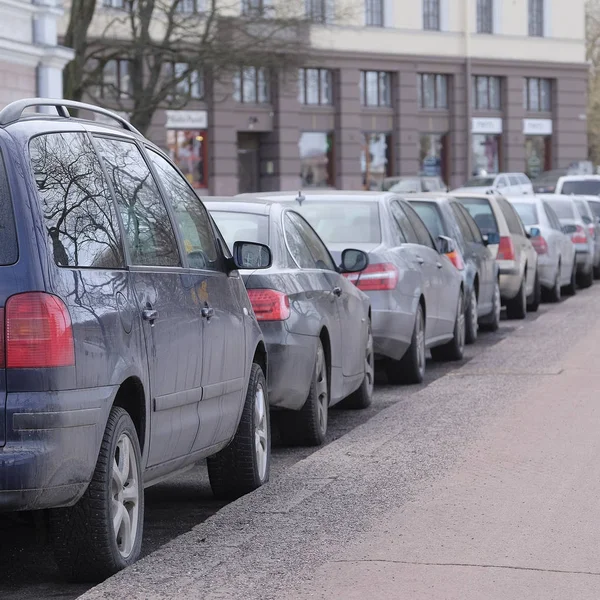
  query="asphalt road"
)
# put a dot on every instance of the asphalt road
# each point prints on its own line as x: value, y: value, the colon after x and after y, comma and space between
x: 177, y: 506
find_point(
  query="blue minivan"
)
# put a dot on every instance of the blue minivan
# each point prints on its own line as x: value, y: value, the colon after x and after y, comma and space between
x: 128, y: 347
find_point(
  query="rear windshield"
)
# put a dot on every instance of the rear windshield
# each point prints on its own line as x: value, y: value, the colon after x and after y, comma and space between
x: 242, y: 227
x: 343, y: 222
x: 482, y: 213
x: 9, y: 251
x: 431, y: 216
x: 584, y: 187
x: 527, y: 212
x: 562, y: 208
x: 480, y: 182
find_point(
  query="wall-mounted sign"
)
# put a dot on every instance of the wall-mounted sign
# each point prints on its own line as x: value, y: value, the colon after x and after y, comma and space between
x: 186, y: 119
x: 491, y: 125
x: 537, y: 126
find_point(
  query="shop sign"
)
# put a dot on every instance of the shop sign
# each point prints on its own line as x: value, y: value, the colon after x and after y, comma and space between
x: 186, y: 119
x: 537, y: 126
x: 491, y: 125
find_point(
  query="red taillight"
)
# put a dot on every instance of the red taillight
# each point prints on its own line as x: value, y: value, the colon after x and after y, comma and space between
x: 456, y: 260
x: 2, y: 351
x: 269, y: 305
x: 540, y: 245
x: 506, y: 249
x: 579, y: 236
x: 38, y: 332
x: 376, y: 278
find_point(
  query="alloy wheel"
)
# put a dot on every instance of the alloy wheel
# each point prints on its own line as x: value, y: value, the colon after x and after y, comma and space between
x: 473, y: 324
x: 370, y: 364
x: 420, y: 343
x: 497, y: 303
x: 460, y: 323
x: 261, y: 432
x: 322, y: 390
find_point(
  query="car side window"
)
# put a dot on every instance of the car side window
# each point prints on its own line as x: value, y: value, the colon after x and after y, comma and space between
x: 321, y: 259
x: 462, y: 224
x: 407, y: 233
x: 470, y: 221
x: 501, y: 182
x: 77, y: 206
x: 149, y: 233
x: 296, y: 244
x: 422, y: 232
x: 514, y: 180
x: 552, y: 218
x: 190, y: 214
x: 512, y: 218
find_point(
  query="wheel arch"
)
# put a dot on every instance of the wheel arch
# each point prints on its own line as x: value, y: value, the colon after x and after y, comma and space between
x: 131, y: 397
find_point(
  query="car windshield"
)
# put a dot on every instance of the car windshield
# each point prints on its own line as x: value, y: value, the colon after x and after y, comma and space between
x: 407, y: 186
x: 430, y: 215
x: 480, y: 182
x: 527, y: 211
x: 343, y: 222
x: 562, y: 208
x: 242, y: 227
x: 583, y: 187
x: 482, y: 213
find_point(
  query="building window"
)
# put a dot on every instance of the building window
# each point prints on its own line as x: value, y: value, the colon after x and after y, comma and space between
x: 486, y: 93
x: 536, y: 18
x: 315, y: 86
x: 319, y: 11
x: 190, y: 6
x: 431, y: 15
x: 433, y: 90
x: 375, y: 88
x: 538, y: 94
x: 187, y: 83
x: 316, y: 159
x: 485, y: 16
x: 251, y: 86
x: 120, y: 4
x: 374, y: 13
x: 433, y: 155
x: 375, y: 160
x: 486, y: 154
x: 256, y: 7
x: 115, y: 80
x: 189, y: 151
x: 538, y: 155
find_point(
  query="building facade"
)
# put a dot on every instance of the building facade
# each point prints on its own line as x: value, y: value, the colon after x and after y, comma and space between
x: 438, y: 87
x: 31, y: 61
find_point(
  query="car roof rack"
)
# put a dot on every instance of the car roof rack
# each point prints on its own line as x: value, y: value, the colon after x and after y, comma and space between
x: 14, y: 111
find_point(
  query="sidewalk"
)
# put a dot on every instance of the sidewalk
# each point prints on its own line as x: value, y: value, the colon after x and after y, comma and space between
x: 484, y: 485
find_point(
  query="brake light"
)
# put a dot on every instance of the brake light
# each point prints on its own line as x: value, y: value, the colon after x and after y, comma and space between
x: 376, y: 278
x: 579, y: 236
x: 540, y: 245
x: 506, y: 249
x: 2, y: 352
x: 38, y: 332
x: 269, y: 305
x: 456, y: 260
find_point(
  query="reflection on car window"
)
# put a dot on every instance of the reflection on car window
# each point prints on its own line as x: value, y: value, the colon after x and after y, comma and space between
x: 564, y: 209
x: 423, y: 234
x: 554, y: 222
x: 319, y: 253
x: 512, y: 218
x: 473, y: 228
x: 407, y: 233
x: 584, y: 187
x: 482, y: 213
x: 296, y: 245
x: 528, y: 212
x: 430, y: 214
x: 582, y: 208
x: 242, y: 227
x: 9, y: 251
x: 595, y: 207
x: 148, y: 229
x: 191, y: 215
x: 78, y: 210
x: 463, y: 224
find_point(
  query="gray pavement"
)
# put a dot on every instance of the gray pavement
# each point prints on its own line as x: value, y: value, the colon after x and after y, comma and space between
x: 485, y: 484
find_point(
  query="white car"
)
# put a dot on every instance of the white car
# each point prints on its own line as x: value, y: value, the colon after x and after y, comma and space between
x: 580, y: 185
x: 507, y: 184
x: 557, y: 266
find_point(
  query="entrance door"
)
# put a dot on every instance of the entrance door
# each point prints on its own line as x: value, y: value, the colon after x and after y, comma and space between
x: 248, y: 162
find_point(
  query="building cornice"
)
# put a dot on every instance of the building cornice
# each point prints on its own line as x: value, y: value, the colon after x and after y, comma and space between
x: 31, y: 55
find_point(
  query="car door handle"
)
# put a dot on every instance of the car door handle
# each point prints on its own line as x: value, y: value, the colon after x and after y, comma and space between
x: 337, y: 291
x: 420, y: 260
x: 150, y: 315
x: 208, y: 312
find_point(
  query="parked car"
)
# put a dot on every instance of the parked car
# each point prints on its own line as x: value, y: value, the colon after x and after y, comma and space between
x: 507, y: 184
x: 574, y: 226
x: 408, y: 185
x: 546, y: 182
x: 130, y: 348
x: 520, y: 287
x: 593, y: 225
x: 582, y: 185
x: 417, y: 295
x: 556, y: 254
x: 445, y: 216
x: 316, y: 324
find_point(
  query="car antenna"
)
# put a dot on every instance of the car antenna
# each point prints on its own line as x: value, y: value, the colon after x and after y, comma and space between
x: 300, y: 198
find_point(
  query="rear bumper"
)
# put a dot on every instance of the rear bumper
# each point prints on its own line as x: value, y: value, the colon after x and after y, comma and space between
x: 51, y: 452
x: 510, y: 279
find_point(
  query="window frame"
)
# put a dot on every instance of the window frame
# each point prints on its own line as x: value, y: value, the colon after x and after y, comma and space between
x: 485, y: 16
x: 364, y: 93
x: 431, y: 13
x: 541, y: 82
x: 317, y: 11
x: 536, y: 15
x: 187, y: 80
x: 488, y: 105
x: 375, y: 13
x: 240, y: 76
x: 117, y: 92
x: 437, y: 78
x: 303, y: 73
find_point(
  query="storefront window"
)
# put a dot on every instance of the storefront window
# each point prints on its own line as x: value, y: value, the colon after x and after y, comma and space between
x: 375, y: 160
x: 486, y: 154
x: 188, y: 150
x: 431, y: 152
x: 316, y: 159
x: 537, y: 155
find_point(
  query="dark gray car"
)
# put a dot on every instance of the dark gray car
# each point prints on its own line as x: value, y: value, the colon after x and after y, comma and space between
x: 315, y: 322
x: 445, y: 216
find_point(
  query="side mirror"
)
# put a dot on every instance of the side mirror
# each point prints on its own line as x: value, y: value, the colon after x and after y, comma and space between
x: 534, y: 232
x: 445, y: 244
x: 354, y: 261
x: 250, y: 255
x: 491, y: 239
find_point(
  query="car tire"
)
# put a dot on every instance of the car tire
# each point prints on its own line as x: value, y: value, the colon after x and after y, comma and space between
x: 587, y: 279
x: 244, y: 465
x: 455, y: 348
x: 308, y: 426
x: 517, y: 307
x: 491, y: 322
x: 555, y: 293
x: 363, y: 396
x: 536, y: 297
x: 411, y: 367
x: 571, y: 288
x: 471, y: 319
x: 597, y: 272
x: 86, y: 546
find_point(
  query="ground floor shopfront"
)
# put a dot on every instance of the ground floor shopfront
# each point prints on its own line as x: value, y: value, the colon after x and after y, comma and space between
x: 353, y: 140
